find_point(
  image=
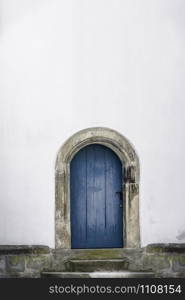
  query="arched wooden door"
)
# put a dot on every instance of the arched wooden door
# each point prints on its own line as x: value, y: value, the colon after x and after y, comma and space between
x: 96, y: 198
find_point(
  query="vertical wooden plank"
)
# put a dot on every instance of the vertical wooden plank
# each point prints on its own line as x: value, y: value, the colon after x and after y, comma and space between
x: 99, y: 195
x: 78, y: 200
x: 113, y: 210
x: 95, y: 195
x: 91, y: 205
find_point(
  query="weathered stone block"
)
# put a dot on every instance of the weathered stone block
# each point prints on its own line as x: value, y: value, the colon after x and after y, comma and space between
x: 89, y: 254
x: 97, y: 265
x: 156, y: 262
x: 38, y: 262
x: 15, y: 263
x: 178, y: 263
x: 2, y: 264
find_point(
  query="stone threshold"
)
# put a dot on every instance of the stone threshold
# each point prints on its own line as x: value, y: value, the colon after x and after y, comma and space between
x: 123, y: 274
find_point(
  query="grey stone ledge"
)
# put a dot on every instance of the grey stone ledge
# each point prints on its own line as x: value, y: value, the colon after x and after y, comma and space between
x: 166, y: 248
x: 42, y: 249
x: 23, y: 249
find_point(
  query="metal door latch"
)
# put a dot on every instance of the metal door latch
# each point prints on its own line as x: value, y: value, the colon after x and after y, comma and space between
x: 120, y: 198
x: 120, y: 195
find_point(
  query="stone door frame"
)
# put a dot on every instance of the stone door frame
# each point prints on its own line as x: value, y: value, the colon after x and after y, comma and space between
x: 130, y: 162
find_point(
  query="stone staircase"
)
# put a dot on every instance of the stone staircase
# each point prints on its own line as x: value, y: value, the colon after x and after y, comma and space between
x: 99, y: 263
x: 35, y: 261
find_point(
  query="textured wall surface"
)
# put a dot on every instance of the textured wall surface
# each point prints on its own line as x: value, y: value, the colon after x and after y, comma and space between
x: 69, y: 65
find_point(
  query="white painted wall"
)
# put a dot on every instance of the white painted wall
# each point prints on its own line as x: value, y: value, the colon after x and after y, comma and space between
x: 68, y: 65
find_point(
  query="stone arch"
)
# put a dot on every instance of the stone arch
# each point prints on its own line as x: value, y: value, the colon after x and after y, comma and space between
x: 123, y: 148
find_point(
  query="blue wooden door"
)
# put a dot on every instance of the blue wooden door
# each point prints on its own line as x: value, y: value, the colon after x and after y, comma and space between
x: 96, y: 202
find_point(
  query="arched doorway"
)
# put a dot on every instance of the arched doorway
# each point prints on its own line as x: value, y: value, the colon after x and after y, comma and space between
x: 122, y: 149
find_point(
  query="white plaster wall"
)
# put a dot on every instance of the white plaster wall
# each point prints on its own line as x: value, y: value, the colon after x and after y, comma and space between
x: 73, y: 64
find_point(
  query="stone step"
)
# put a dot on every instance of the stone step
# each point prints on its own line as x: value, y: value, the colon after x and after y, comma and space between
x: 88, y: 254
x: 96, y: 265
x: 123, y: 274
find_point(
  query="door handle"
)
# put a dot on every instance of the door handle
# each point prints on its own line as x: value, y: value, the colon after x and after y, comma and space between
x: 120, y: 195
